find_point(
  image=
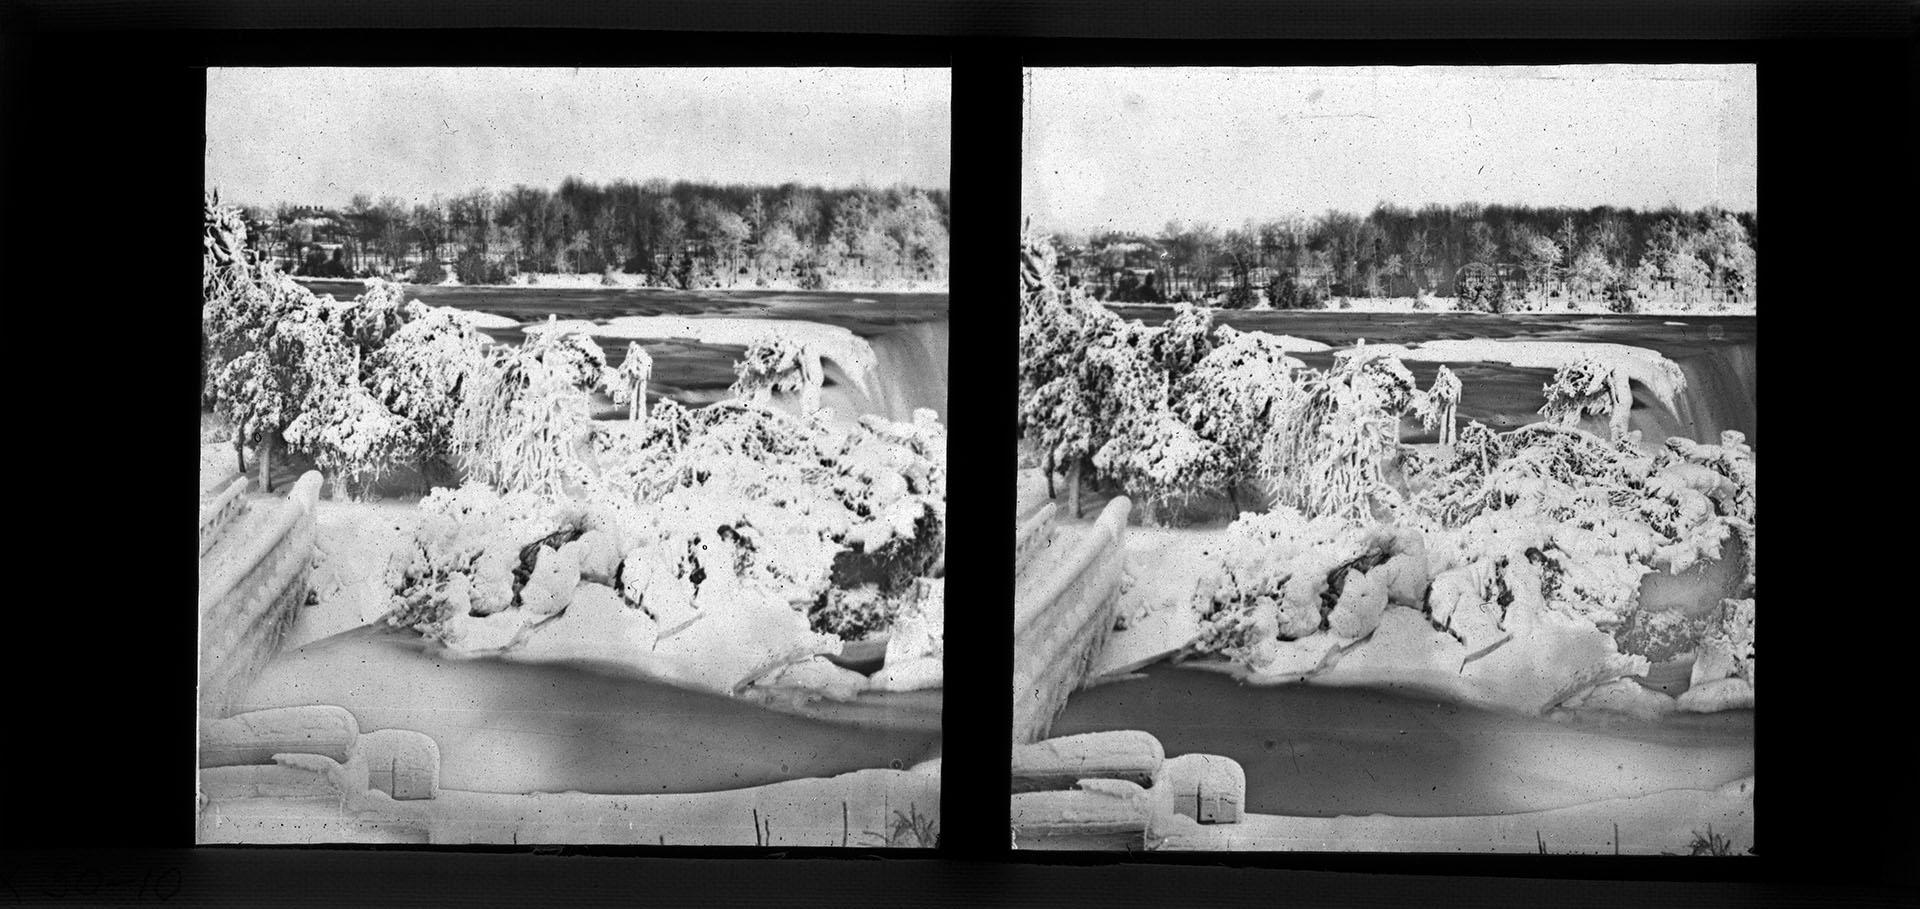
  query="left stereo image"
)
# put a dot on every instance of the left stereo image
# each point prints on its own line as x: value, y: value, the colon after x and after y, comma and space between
x: 573, y: 460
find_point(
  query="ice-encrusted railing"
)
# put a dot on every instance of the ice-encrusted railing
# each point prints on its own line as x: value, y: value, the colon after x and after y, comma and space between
x: 216, y: 515
x: 1034, y: 535
x: 247, y: 607
x: 1062, y: 619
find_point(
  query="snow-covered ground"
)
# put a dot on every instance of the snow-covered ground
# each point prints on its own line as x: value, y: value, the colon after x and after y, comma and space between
x: 1666, y: 822
x: 865, y: 808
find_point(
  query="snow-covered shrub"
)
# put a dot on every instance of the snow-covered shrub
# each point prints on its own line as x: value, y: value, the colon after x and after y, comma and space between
x: 1285, y: 576
x: 1660, y: 635
x: 470, y: 553
x: 735, y: 497
x: 854, y: 614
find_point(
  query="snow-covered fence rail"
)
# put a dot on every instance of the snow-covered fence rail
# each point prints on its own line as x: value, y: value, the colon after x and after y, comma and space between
x: 1061, y: 621
x: 218, y: 513
x: 248, y: 604
x: 1034, y: 535
x: 1107, y: 790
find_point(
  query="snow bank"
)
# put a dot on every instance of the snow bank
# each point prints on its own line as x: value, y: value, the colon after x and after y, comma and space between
x: 1658, y: 823
x: 481, y: 319
x: 353, y: 547
x: 1293, y: 344
x: 1659, y: 375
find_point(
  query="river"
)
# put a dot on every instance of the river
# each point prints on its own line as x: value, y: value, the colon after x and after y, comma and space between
x: 518, y: 727
x: 1316, y: 751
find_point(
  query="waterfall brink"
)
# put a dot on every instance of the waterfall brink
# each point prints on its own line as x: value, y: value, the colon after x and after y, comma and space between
x: 1718, y: 395
x: 909, y: 371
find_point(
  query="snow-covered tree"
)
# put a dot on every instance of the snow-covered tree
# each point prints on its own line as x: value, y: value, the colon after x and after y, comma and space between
x: 1056, y: 327
x: 777, y: 364
x: 1440, y: 405
x: 1340, y: 434
x: 526, y: 421
x: 1233, y: 397
x: 1590, y: 386
x: 634, y: 373
x: 423, y: 373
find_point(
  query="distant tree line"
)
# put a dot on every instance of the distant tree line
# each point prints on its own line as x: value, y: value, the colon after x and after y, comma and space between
x: 1525, y: 257
x: 677, y: 234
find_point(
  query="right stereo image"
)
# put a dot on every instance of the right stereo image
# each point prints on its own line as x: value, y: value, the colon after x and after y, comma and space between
x: 1387, y: 460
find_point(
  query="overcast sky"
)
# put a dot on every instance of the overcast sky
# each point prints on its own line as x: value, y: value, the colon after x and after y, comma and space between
x: 319, y: 135
x: 1132, y: 148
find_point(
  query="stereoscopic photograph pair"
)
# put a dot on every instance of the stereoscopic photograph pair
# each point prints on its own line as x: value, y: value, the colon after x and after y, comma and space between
x: 575, y: 464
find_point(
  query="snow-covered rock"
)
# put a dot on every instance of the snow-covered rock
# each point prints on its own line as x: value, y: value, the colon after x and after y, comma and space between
x: 1552, y: 656
x: 473, y: 635
x: 1720, y: 694
x: 599, y: 556
x: 734, y: 641
x: 919, y: 630
x: 1713, y: 660
x: 911, y: 675
x: 1450, y: 589
x: 1357, y: 612
x: 818, y: 674
x: 597, y: 625
x: 1147, y: 639
x: 1405, y: 575
x: 1275, y: 661
x: 1626, y: 696
x: 493, y: 579
x: 1404, y: 646
x: 1477, y: 625
x: 549, y: 589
